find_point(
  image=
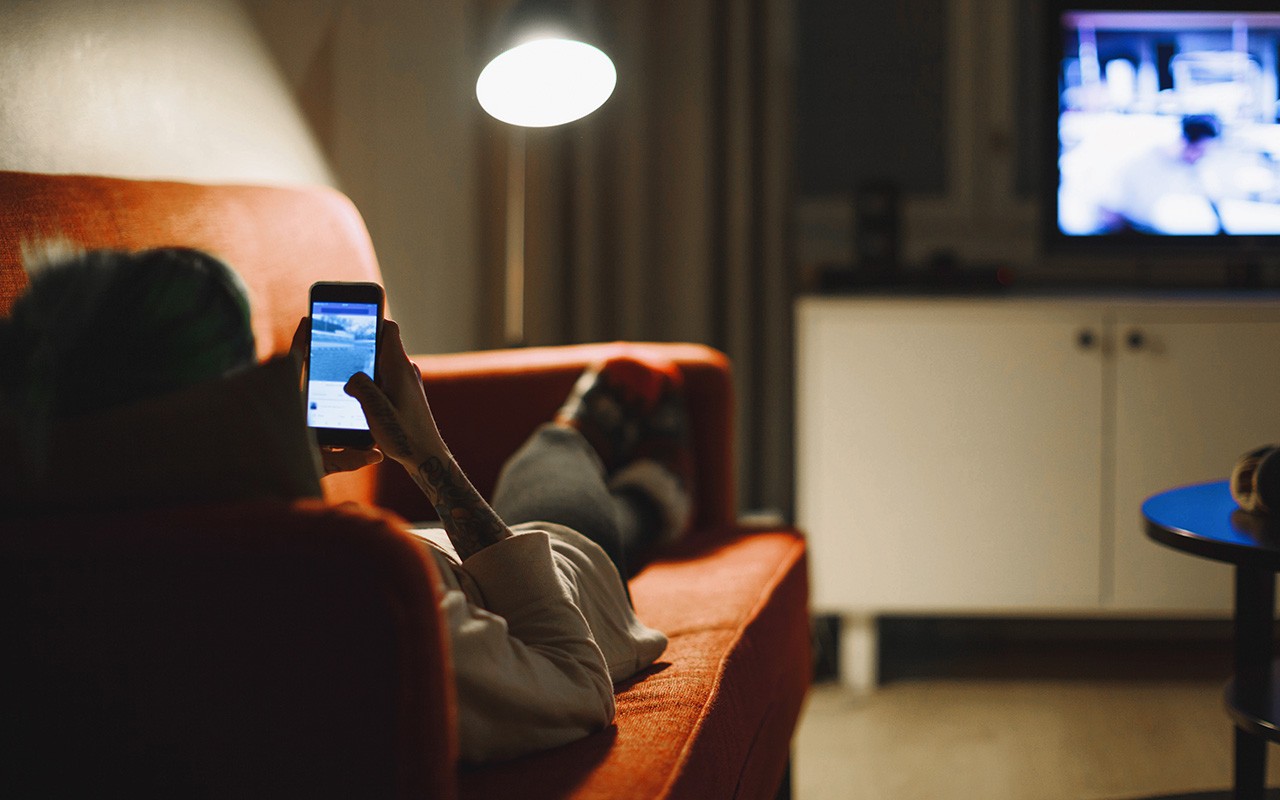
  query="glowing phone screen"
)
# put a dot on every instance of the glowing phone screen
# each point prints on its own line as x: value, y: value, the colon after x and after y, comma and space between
x: 343, y: 342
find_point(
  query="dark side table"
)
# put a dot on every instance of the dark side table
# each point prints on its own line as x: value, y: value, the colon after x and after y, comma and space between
x: 1203, y: 520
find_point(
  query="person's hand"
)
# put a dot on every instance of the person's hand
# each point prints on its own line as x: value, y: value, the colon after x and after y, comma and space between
x: 348, y: 459
x: 298, y: 347
x: 335, y: 459
x: 396, y: 407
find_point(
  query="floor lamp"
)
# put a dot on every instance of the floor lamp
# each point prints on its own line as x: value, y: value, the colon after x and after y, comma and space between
x: 544, y: 72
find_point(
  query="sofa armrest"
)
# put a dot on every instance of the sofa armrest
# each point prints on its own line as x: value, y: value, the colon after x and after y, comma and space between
x: 487, y: 404
x: 259, y: 650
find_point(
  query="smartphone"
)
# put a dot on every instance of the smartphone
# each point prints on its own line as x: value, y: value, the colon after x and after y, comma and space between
x: 346, y: 329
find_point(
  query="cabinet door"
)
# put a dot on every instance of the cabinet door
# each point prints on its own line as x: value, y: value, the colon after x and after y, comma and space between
x: 1194, y: 391
x: 949, y: 455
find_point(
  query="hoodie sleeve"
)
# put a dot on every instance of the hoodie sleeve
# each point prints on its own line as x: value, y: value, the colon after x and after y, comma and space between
x: 529, y: 674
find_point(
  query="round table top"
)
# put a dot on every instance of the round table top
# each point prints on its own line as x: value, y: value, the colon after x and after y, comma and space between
x: 1203, y: 519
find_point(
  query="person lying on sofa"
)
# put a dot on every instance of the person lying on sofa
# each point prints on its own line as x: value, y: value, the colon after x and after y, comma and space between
x: 145, y: 353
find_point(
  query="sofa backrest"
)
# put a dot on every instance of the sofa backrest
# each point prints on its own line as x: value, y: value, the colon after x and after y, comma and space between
x: 280, y: 240
x: 256, y: 650
x: 283, y: 239
x: 488, y: 403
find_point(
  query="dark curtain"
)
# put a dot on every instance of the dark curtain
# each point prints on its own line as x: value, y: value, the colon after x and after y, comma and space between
x: 664, y: 215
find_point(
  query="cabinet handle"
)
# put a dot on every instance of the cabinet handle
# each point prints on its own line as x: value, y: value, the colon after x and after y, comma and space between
x: 1136, y: 339
x: 1086, y: 339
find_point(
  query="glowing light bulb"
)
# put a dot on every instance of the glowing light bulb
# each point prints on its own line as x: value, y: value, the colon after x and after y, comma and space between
x: 546, y: 82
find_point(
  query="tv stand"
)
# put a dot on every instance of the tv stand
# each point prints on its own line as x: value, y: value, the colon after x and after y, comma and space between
x: 1246, y: 275
x: 970, y: 455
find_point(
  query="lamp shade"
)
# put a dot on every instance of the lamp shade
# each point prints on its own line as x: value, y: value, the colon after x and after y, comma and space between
x: 545, y: 70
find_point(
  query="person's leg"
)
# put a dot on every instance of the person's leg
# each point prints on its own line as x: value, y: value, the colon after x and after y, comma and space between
x: 558, y: 477
x: 615, y: 464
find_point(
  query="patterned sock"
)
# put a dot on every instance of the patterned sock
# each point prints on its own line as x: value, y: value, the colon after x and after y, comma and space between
x: 611, y: 400
x: 661, y: 467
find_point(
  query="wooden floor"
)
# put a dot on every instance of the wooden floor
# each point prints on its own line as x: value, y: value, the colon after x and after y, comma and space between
x: 1111, y: 719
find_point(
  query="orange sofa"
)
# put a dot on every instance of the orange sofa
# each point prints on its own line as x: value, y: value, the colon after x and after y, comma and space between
x: 295, y: 649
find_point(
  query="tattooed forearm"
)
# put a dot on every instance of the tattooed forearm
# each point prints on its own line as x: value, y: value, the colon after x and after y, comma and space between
x: 471, y: 524
x: 401, y: 446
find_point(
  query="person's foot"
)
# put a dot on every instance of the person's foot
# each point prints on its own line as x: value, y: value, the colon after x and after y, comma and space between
x: 612, y: 400
x: 661, y: 468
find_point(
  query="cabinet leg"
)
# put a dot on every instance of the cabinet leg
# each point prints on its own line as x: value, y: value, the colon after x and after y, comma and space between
x: 859, y: 653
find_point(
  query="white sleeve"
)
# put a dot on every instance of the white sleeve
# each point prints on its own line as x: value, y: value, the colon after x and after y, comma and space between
x: 528, y: 673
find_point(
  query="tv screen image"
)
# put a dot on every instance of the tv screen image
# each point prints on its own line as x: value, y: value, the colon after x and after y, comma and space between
x: 1168, y: 124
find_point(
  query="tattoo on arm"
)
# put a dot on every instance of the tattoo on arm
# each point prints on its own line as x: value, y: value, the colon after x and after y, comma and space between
x: 471, y: 524
x: 399, y: 438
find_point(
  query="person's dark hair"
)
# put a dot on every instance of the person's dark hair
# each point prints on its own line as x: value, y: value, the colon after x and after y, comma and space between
x: 1198, y: 127
x: 103, y: 328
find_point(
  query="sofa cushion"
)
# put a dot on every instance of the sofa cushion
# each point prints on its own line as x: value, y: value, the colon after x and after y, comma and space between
x: 714, y: 716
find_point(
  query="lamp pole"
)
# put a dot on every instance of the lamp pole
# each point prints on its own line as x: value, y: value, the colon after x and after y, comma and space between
x: 513, y: 295
x: 543, y: 73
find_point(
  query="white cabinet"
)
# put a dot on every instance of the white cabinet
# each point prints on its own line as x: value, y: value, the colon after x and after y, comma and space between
x: 959, y: 455
x: 1201, y: 387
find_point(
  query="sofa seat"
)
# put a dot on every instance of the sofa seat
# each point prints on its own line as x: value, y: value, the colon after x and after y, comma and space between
x: 700, y: 723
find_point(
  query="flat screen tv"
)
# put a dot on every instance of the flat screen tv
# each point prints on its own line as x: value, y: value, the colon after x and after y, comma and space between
x: 1166, y: 126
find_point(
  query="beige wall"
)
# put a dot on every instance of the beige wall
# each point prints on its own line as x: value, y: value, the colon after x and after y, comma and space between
x: 373, y: 96
x: 142, y: 88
